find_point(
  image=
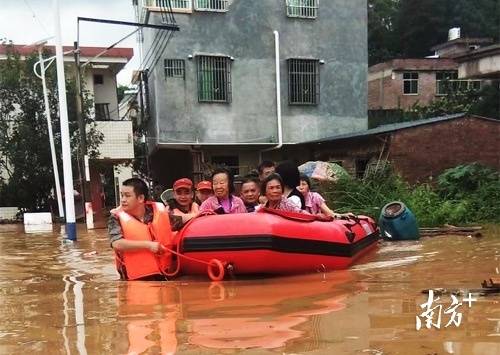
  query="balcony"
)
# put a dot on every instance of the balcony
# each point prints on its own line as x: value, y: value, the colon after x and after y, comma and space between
x: 179, y: 6
x: 118, y: 143
x: 185, y: 6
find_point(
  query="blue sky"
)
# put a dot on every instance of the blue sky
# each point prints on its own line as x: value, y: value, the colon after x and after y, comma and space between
x: 27, y: 21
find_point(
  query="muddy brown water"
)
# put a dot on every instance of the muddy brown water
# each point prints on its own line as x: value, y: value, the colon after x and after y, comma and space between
x: 60, y: 298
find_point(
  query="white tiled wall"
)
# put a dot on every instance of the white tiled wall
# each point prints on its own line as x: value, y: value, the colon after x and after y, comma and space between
x: 118, y: 140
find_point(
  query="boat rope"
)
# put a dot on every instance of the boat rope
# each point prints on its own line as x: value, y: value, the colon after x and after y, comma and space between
x: 217, y: 275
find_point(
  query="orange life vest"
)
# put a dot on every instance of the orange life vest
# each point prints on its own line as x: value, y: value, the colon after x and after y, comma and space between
x: 136, y: 264
x: 194, y: 210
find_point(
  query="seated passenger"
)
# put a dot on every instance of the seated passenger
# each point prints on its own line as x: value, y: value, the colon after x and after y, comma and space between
x: 272, y: 187
x: 203, y: 191
x: 315, y: 203
x: 183, y: 198
x: 223, y: 201
x: 291, y: 179
x: 250, y: 192
x: 265, y: 169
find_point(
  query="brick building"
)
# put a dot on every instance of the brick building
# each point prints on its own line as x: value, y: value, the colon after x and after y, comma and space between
x: 418, y: 150
x: 401, y: 83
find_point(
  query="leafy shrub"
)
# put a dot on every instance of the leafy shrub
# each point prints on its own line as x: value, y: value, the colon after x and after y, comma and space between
x: 465, y: 194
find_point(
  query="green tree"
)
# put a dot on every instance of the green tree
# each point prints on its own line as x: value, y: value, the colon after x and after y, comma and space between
x: 25, y: 157
x: 421, y: 25
x: 478, y: 18
x: 383, y: 43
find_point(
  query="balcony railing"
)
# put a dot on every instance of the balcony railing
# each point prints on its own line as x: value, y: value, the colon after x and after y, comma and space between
x: 302, y: 8
x: 211, y: 5
x: 176, y: 5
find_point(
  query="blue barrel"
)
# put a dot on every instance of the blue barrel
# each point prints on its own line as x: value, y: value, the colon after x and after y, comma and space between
x: 397, y: 222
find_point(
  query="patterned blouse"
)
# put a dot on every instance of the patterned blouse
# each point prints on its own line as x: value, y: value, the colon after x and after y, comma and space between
x: 286, y: 205
x: 212, y: 204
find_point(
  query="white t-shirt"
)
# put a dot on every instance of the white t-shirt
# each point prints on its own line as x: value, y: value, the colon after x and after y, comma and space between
x: 295, y: 200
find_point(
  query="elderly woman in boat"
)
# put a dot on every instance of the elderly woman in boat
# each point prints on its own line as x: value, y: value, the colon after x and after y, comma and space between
x: 273, y: 188
x: 223, y: 201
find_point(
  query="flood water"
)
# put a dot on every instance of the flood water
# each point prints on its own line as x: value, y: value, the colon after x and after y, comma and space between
x: 60, y: 298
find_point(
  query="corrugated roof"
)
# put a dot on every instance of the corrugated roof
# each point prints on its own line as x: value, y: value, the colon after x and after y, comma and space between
x: 396, y: 127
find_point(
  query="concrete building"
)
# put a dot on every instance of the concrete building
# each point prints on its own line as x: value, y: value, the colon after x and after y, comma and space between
x: 99, y: 79
x: 481, y: 63
x: 217, y: 96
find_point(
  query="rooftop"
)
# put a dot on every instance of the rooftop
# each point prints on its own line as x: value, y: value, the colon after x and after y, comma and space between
x: 398, y: 126
x: 88, y: 52
x: 429, y: 64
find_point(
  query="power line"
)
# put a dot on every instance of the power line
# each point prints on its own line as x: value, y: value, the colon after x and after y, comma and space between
x: 35, y: 17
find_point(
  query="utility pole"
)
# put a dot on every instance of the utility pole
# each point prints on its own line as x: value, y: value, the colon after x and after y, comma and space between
x: 84, y: 161
x: 57, y: 184
x: 63, y: 113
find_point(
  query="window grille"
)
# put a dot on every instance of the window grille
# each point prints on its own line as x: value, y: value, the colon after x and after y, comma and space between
x: 175, y: 4
x: 175, y: 68
x: 302, y: 8
x: 303, y: 81
x: 211, y: 5
x: 448, y: 82
x: 410, y: 83
x: 102, y: 112
x: 214, y: 79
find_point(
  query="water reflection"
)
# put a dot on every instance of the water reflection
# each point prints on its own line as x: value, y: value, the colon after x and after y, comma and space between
x: 66, y: 298
x: 230, y: 315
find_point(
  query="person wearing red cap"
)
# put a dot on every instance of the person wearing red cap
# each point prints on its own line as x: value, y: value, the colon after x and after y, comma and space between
x: 183, y: 198
x: 204, y: 190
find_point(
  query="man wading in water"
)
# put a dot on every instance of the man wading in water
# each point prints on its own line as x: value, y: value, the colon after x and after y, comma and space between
x: 139, y: 232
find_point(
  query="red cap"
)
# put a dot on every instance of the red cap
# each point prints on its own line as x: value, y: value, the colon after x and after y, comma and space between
x: 204, y: 185
x: 183, y: 183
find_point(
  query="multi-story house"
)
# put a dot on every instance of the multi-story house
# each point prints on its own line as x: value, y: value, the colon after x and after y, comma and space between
x: 242, y: 80
x: 99, y: 72
x: 402, y: 83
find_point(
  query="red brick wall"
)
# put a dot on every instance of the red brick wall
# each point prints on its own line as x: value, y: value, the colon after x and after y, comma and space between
x: 427, y: 150
x: 393, y: 97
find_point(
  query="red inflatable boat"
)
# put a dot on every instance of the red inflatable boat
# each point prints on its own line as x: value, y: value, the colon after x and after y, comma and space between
x: 273, y: 242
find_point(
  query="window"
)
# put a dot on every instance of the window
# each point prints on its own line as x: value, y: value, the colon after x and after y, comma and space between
x: 211, y: 5
x: 214, y: 79
x: 303, y: 81
x: 98, y: 79
x: 102, y: 112
x: 302, y: 8
x: 410, y: 83
x: 174, y: 68
x: 175, y: 4
x: 448, y: 82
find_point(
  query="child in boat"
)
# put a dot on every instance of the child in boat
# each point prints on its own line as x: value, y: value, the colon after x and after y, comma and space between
x: 250, y: 192
x: 183, y: 203
x: 203, y: 191
x: 315, y: 203
x: 223, y: 201
x: 273, y: 188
